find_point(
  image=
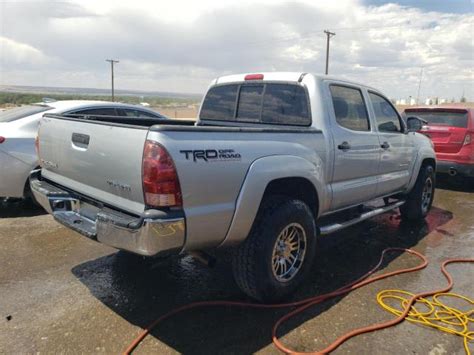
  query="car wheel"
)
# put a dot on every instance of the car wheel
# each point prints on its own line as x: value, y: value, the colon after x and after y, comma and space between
x: 278, y: 253
x: 420, y: 198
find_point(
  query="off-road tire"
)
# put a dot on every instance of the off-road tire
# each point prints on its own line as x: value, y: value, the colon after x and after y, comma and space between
x: 252, y: 260
x: 413, y: 209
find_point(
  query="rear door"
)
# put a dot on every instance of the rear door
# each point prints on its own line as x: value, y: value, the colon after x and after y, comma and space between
x: 356, y: 146
x: 396, y: 148
x: 447, y: 128
x: 96, y: 159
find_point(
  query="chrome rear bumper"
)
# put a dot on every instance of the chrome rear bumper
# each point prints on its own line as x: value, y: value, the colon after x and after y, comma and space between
x: 152, y: 233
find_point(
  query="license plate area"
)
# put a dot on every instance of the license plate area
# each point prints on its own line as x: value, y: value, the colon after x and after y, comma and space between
x: 77, y: 223
x: 77, y: 215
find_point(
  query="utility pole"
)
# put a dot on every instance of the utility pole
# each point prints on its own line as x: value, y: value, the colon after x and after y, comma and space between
x: 112, y: 62
x: 419, y: 86
x: 329, y: 35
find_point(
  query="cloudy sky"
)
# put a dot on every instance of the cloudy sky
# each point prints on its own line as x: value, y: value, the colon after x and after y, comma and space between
x: 179, y: 46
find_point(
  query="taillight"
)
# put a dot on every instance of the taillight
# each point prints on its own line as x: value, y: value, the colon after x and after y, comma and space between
x: 254, y: 77
x: 2, y: 139
x: 467, y: 139
x: 160, y: 180
x: 37, y: 146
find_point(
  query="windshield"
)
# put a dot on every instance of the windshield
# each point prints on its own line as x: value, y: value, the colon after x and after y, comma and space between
x: 16, y: 113
x: 453, y: 119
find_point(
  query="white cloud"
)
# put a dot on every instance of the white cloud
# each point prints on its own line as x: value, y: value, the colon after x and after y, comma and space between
x: 181, y: 45
x: 13, y: 53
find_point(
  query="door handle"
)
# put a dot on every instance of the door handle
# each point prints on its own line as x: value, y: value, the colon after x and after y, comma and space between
x: 80, y: 140
x: 344, y: 146
x: 385, y: 145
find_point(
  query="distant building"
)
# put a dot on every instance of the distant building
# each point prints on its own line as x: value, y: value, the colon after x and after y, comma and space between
x: 401, y: 102
x: 434, y: 101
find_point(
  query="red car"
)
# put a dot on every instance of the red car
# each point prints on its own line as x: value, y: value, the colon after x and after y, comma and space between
x: 452, y: 131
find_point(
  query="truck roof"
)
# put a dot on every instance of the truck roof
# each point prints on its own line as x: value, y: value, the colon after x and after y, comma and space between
x: 284, y: 76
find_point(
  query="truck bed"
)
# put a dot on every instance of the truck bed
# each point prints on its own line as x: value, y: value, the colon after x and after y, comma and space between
x: 101, y: 157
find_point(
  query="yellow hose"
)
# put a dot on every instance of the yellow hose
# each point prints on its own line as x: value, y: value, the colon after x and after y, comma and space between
x: 436, y: 314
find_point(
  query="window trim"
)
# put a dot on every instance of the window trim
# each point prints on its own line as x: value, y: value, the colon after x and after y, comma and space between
x: 358, y: 88
x: 400, y: 120
x: 115, y: 108
x: 264, y: 83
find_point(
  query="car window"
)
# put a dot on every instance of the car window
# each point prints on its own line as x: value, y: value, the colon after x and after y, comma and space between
x: 101, y: 111
x: 349, y: 108
x: 137, y: 113
x: 439, y: 118
x: 270, y: 103
x: 13, y: 114
x: 385, y: 115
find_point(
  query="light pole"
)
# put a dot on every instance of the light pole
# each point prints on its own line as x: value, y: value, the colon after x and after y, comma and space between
x: 329, y: 35
x: 112, y: 62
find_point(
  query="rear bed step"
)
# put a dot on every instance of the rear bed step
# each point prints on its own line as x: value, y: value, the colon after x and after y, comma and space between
x: 334, y: 227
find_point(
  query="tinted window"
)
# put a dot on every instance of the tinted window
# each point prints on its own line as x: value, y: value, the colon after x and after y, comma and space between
x: 219, y: 103
x: 385, y: 115
x: 285, y: 104
x: 16, y: 113
x: 453, y: 119
x: 282, y: 104
x: 349, y: 108
x: 137, y: 113
x: 250, y: 102
x: 97, y: 112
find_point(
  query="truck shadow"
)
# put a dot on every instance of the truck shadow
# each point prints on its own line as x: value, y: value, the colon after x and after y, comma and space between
x: 454, y: 183
x: 19, y: 208
x: 141, y: 293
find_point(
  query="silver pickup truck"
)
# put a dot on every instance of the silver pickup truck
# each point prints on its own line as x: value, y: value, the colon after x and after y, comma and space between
x: 267, y: 168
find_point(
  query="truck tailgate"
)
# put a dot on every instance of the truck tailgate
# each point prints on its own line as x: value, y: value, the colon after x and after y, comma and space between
x: 95, y: 159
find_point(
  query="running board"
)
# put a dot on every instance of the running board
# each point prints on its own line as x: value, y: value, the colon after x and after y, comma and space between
x: 334, y: 227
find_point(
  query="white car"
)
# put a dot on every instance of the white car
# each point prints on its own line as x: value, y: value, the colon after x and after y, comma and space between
x: 18, y: 128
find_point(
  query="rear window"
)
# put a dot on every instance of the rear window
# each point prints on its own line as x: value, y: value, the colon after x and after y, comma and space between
x: 250, y: 103
x: 453, y: 119
x: 219, y: 103
x: 16, y: 113
x: 272, y: 103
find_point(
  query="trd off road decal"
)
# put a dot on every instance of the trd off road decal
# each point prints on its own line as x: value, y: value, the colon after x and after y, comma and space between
x: 211, y: 155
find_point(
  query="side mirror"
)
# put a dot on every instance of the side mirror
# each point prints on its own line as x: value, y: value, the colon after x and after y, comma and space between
x: 414, y: 123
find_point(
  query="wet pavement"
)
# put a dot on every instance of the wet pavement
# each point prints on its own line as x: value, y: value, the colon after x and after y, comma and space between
x: 63, y: 293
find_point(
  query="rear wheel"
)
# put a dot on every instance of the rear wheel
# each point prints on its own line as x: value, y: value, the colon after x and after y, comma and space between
x: 278, y: 253
x: 420, y: 198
